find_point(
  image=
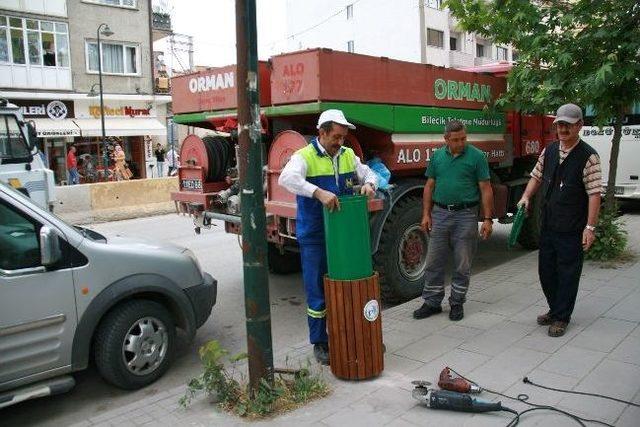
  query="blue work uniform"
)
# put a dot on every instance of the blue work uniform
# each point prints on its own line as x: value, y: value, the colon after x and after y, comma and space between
x: 310, y: 227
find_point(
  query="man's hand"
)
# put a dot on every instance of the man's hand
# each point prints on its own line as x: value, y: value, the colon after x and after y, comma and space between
x: 485, y: 229
x: 588, y: 237
x: 426, y: 223
x: 367, y: 189
x: 524, y: 201
x: 327, y: 198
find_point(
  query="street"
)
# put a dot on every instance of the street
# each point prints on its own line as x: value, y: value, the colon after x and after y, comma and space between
x: 220, y: 255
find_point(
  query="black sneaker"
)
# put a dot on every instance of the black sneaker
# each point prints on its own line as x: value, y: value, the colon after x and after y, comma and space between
x: 426, y: 310
x: 321, y: 353
x: 456, y: 313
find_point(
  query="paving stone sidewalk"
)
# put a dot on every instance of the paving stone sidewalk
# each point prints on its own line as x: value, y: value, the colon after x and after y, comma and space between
x: 496, y: 344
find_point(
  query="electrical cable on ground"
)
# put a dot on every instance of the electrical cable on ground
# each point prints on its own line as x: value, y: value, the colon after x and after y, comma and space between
x: 526, y: 380
x: 524, y: 398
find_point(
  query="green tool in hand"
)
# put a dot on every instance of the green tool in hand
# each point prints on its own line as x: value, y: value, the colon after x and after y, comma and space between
x: 518, y: 221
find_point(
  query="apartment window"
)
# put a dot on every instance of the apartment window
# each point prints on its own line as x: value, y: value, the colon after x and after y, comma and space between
x: 350, y: 11
x: 434, y: 4
x: 502, y: 53
x: 479, y: 50
x: 34, y: 42
x: 453, y: 43
x: 514, y: 55
x: 120, y: 3
x: 435, y: 38
x: 350, y: 47
x: 117, y: 58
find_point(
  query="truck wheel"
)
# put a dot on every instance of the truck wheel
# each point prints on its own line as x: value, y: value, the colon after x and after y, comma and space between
x: 283, y: 263
x: 529, y: 236
x: 401, y: 258
x: 135, y: 344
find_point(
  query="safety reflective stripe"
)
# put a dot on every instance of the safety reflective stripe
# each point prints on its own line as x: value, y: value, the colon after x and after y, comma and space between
x: 316, y: 314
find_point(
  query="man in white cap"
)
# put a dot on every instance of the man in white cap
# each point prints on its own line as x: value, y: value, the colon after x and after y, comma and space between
x: 317, y: 174
x: 570, y: 175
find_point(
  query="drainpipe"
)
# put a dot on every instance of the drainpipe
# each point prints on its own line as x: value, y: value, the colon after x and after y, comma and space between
x: 423, y: 33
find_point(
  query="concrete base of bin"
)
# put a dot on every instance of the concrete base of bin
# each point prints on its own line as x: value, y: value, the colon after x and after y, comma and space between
x: 355, y: 327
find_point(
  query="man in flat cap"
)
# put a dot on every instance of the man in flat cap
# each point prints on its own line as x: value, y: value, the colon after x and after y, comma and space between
x: 569, y: 173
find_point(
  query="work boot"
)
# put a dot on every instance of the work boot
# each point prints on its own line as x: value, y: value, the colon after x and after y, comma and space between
x: 558, y: 328
x: 425, y: 311
x: 456, y: 313
x: 321, y: 353
x: 544, y: 319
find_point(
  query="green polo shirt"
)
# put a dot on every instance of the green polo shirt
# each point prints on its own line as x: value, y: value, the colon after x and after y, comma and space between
x: 457, y: 176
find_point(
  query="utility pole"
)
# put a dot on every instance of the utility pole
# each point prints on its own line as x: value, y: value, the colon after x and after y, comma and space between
x: 254, y: 240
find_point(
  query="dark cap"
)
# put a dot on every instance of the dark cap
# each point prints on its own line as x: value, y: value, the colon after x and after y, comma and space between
x: 568, y: 113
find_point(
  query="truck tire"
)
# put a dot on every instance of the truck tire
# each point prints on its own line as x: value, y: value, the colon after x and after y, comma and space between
x: 135, y: 329
x: 283, y: 263
x: 529, y: 236
x: 402, y: 254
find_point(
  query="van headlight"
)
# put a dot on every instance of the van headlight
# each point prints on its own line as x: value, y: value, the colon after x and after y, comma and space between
x: 194, y: 259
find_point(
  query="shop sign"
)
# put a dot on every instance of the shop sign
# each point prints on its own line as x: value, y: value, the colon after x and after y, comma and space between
x: 52, y: 109
x: 126, y: 111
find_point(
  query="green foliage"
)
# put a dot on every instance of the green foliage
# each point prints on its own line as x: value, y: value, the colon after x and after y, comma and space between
x: 611, y: 237
x: 284, y: 394
x: 581, y: 51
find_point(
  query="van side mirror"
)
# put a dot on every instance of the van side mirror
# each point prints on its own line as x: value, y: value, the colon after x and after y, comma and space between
x: 50, y: 252
x: 33, y: 134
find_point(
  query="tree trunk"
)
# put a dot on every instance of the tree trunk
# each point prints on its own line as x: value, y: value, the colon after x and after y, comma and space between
x: 609, y: 198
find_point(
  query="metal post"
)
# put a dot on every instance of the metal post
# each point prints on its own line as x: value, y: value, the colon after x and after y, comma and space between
x: 105, y: 153
x: 254, y: 242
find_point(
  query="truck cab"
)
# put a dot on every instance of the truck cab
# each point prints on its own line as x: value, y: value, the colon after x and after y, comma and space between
x: 21, y: 165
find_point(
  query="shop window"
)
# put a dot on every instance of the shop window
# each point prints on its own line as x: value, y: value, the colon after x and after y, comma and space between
x: 47, y: 43
x: 117, y: 58
x: 435, y: 38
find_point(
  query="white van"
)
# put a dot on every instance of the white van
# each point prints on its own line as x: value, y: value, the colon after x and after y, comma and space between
x: 628, y: 175
x: 20, y: 164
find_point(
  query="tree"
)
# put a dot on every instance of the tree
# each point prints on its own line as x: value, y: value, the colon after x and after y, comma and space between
x: 581, y: 51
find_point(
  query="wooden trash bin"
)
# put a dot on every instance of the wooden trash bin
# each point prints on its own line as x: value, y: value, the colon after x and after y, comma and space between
x: 355, y: 327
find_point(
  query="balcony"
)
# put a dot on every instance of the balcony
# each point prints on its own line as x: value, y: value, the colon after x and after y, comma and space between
x: 483, y: 60
x: 459, y: 59
x: 161, y: 25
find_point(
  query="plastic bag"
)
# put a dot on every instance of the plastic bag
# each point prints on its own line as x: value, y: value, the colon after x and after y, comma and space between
x: 384, y: 175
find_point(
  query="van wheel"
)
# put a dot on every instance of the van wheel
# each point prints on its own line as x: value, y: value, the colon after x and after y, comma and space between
x: 135, y: 344
x: 401, y: 259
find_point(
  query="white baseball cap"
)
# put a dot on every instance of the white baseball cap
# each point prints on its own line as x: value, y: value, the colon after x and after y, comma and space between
x: 335, y: 116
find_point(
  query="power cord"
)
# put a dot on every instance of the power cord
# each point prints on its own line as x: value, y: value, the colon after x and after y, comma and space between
x: 524, y: 398
x: 526, y: 380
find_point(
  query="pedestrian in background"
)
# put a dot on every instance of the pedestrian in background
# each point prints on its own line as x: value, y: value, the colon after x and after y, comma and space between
x: 570, y: 175
x: 317, y: 174
x: 457, y: 184
x: 173, y: 158
x: 160, y: 156
x: 72, y: 166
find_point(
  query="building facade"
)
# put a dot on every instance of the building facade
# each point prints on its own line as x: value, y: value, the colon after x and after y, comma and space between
x: 409, y: 30
x: 49, y: 67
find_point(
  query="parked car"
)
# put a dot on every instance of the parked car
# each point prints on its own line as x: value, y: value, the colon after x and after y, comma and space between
x: 68, y: 294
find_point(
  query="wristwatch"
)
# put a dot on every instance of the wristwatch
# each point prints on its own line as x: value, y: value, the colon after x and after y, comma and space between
x: 590, y: 227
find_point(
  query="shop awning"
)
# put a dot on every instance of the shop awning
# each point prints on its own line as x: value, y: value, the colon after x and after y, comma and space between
x: 49, y: 128
x: 121, y: 127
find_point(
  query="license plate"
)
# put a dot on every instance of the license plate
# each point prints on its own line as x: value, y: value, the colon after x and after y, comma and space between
x: 191, y: 184
x: 618, y: 190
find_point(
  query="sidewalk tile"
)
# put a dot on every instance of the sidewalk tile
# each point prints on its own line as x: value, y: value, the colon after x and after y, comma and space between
x: 426, y: 417
x: 458, y: 331
x: 497, y: 339
x: 398, y: 366
x: 611, y: 378
x: 541, y: 396
x: 429, y: 348
x: 603, y: 334
x: 462, y: 361
x: 495, y: 293
x: 505, y: 369
x: 590, y: 308
x: 528, y: 315
x: 507, y: 307
x: 573, y: 361
x: 540, y: 340
x: 627, y: 351
x: 479, y: 319
x: 629, y: 418
x: 627, y: 309
x: 399, y: 422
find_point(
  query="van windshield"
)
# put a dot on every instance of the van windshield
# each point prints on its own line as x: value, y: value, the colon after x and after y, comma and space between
x: 13, y: 146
